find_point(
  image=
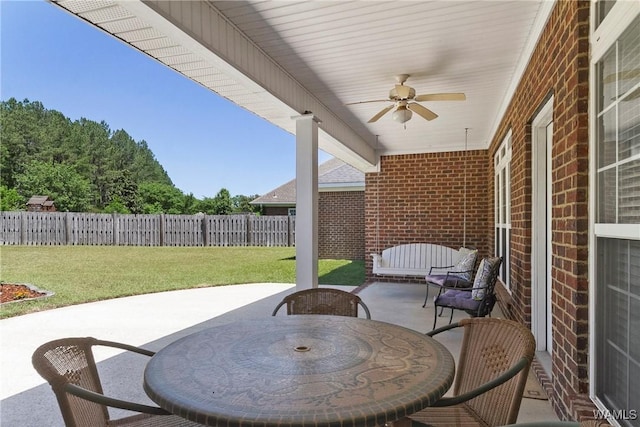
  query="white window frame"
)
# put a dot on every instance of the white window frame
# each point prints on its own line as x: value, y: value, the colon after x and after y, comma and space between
x: 502, y: 207
x: 603, y: 36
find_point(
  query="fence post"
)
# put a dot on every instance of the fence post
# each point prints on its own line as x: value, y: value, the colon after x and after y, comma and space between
x: 249, y: 236
x: 68, y: 227
x: 203, y: 227
x: 115, y: 229
x: 162, y: 228
x: 23, y: 227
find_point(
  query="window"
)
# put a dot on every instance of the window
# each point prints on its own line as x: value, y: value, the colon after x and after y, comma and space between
x: 603, y: 8
x: 616, y: 177
x: 291, y: 211
x: 503, y: 206
x: 618, y: 135
x: 618, y: 349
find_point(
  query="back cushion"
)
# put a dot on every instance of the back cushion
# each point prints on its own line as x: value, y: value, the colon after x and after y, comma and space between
x: 464, y: 267
x: 482, y: 277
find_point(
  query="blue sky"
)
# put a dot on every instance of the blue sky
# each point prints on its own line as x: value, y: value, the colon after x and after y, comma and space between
x: 203, y: 141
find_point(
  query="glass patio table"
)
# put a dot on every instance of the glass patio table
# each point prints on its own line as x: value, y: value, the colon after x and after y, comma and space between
x: 299, y: 371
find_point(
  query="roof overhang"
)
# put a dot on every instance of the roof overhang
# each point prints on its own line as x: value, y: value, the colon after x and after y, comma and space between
x: 284, y: 58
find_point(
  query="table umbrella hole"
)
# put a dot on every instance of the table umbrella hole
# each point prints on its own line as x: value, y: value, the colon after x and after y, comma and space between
x: 302, y: 348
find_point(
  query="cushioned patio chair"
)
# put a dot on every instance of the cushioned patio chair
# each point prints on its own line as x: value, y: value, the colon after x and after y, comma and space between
x: 323, y: 301
x: 477, y: 300
x: 69, y: 367
x: 490, y: 377
x: 458, y: 275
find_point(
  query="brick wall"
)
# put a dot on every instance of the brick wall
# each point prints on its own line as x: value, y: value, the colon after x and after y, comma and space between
x: 558, y: 67
x: 341, y: 225
x: 419, y: 198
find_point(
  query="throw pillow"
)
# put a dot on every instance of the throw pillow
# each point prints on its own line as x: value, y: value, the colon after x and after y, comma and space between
x: 482, y: 278
x: 465, y: 264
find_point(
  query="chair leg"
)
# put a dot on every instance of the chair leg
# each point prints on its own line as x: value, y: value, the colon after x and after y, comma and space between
x: 441, y: 311
x: 426, y: 297
x: 435, y: 316
x: 451, y: 317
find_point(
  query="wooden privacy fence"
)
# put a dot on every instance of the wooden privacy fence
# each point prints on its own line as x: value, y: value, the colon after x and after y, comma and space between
x: 72, y: 228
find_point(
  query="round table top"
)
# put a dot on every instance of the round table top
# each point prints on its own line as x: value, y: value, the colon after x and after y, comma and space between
x: 300, y: 371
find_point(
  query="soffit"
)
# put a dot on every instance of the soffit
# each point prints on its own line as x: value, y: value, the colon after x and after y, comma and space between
x: 279, y: 58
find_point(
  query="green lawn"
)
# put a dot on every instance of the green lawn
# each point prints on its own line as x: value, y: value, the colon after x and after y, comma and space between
x: 79, y: 274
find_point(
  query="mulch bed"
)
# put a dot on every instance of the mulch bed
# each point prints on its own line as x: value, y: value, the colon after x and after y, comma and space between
x: 11, y: 292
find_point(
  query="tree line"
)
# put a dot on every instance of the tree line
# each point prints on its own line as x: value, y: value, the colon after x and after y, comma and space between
x: 84, y: 166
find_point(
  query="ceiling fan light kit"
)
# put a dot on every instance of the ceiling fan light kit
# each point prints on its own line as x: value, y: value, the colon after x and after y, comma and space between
x: 401, y: 96
x: 402, y: 115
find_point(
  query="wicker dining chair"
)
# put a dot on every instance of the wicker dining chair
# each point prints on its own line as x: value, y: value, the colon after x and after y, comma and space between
x: 69, y: 367
x: 490, y: 377
x: 323, y: 301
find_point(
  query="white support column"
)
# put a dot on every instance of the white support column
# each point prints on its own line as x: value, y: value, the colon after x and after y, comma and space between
x: 306, y: 201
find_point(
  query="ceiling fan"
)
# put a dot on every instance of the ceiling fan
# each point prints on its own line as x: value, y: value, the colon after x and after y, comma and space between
x: 402, y: 97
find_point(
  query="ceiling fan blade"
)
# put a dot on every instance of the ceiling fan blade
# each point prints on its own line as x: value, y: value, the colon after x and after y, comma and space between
x: 441, y: 97
x: 368, y: 102
x: 381, y: 113
x: 425, y: 113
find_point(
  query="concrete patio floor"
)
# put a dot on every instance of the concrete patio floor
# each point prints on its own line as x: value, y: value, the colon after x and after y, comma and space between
x: 152, y: 321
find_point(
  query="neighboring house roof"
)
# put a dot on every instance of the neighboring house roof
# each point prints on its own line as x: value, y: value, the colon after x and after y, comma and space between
x: 333, y: 175
x: 283, y: 195
x: 336, y: 173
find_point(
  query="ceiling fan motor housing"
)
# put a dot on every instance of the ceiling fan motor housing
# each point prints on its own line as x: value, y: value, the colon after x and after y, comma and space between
x: 400, y: 92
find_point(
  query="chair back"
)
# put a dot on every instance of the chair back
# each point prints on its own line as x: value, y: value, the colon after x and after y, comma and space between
x: 489, y: 348
x: 323, y: 301
x: 466, y: 264
x: 70, y: 360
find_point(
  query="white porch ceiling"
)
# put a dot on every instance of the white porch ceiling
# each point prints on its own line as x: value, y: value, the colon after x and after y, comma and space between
x: 281, y: 58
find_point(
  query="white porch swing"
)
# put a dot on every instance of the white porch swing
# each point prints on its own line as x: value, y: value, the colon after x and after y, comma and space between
x: 417, y: 259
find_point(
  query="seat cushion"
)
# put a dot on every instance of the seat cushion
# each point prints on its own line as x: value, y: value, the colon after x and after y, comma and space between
x: 436, y: 279
x: 457, y: 299
x: 441, y: 280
